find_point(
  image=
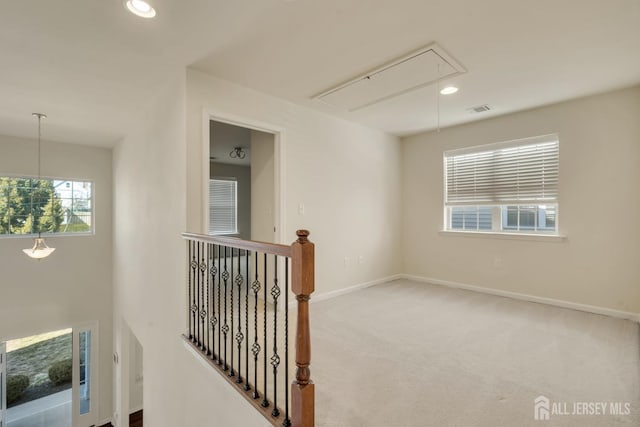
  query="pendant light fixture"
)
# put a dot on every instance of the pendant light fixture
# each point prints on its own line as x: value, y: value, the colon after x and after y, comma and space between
x: 40, y: 249
x: 237, y: 153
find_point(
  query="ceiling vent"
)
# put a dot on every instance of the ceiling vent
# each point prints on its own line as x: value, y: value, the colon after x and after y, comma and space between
x: 479, y: 109
x: 413, y: 71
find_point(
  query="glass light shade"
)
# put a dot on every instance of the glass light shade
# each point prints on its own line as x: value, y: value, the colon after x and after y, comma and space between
x: 449, y: 90
x: 39, y: 250
x: 140, y: 8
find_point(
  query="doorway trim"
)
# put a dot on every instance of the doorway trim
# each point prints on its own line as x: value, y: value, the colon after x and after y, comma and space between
x: 278, y: 165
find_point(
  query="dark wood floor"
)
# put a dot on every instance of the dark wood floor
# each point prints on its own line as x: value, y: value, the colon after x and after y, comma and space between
x: 135, y: 420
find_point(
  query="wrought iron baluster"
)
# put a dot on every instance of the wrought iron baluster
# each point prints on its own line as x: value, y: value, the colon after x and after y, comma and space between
x: 219, y: 359
x: 239, y: 335
x: 275, y: 359
x: 246, y: 322
x: 189, y: 285
x: 194, y: 306
x: 202, y: 314
x: 225, y: 328
x: 232, y: 372
x: 206, y: 310
x: 255, y: 348
x: 287, y: 420
x: 265, y: 400
x: 212, y: 317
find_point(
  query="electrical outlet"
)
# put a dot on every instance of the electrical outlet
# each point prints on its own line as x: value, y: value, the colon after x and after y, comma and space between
x: 301, y: 209
x: 361, y: 259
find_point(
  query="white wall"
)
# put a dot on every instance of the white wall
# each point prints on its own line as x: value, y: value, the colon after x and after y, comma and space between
x: 73, y: 285
x: 263, y: 186
x: 346, y: 175
x: 136, y: 377
x: 599, y: 204
x: 149, y: 169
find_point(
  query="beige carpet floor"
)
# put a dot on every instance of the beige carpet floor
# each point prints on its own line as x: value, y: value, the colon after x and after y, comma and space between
x: 412, y: 354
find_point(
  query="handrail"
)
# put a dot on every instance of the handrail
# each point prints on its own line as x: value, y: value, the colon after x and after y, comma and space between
x: 234, y: 242
x: 224, y: 285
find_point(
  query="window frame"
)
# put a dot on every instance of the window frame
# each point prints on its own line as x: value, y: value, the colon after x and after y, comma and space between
x: 92, y: 201
x: 499, y: 229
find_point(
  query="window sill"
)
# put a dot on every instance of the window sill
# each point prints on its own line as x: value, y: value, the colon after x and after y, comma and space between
x: 505, y: 236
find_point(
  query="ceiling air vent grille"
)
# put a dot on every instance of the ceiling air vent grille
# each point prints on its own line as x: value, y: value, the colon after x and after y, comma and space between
x: 479, y: 109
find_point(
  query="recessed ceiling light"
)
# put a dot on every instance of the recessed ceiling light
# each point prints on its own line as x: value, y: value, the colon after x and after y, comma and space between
x: 140, y: 8
x: 449, y: 90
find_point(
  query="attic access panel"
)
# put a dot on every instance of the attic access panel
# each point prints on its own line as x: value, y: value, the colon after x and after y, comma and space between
x: 411, y: 72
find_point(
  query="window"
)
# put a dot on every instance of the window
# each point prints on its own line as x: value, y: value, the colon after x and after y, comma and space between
x: 223, y: 206
x: 475, y: 218
x: 505, y: 187
x: 29, y: 205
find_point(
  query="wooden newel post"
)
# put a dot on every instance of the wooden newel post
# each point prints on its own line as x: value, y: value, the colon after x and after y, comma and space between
x: 302, y: 389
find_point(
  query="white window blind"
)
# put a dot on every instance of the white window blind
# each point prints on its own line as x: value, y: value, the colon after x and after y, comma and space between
x: 223, y: 206
x: 517, y: 172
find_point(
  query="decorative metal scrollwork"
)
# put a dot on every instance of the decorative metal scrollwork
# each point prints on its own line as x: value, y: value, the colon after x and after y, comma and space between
x: 275, y: 290
x: 255, y: 286
x: 255, y: 349
x: 275, y: 360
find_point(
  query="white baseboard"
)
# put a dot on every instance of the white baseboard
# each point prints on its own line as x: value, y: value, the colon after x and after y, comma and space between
x: 348, y: 290
x: 525, y: 297
x: 498, y: 292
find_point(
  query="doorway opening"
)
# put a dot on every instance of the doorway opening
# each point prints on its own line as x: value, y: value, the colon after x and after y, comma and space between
x: 47, y: 380
x: 242, y: 181
x: 38, y: 380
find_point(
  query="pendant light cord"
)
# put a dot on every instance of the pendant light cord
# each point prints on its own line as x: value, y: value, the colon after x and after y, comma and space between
x: 39, y: 180
x: 438, y: 99
x: 39, y: 143
x: 40, y: 116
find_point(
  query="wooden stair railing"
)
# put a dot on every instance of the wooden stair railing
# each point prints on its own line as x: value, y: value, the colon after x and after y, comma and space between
x: 229, y: 313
